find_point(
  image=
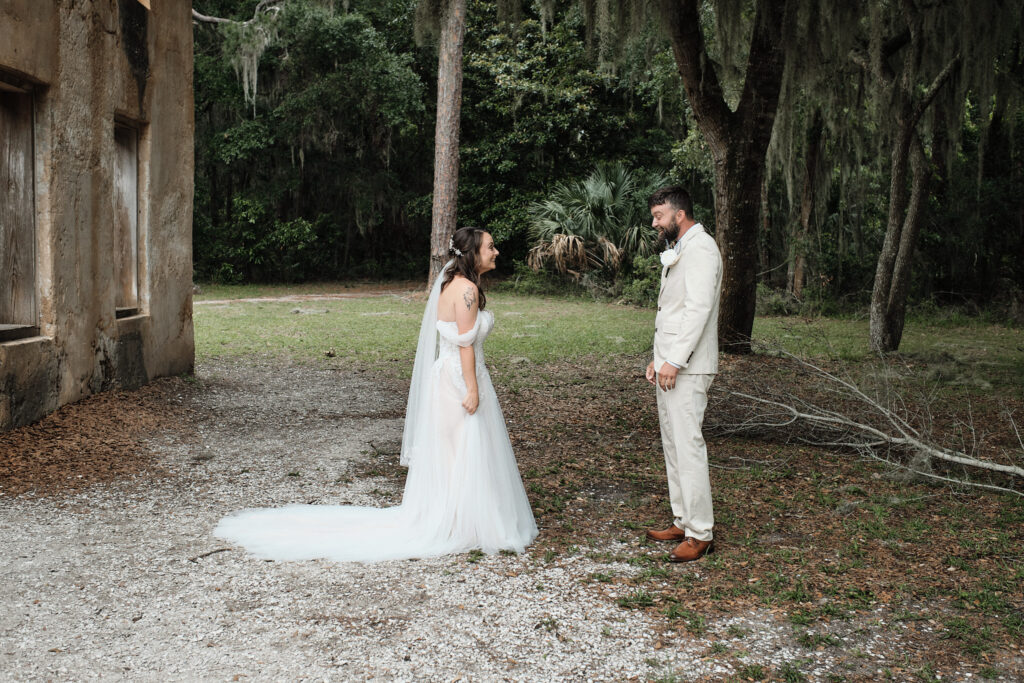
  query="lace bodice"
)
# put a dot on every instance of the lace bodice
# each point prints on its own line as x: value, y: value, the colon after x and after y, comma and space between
x: 451, y: 340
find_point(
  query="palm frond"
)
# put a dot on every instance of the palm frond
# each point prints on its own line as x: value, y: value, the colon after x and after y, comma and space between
x: 594, y: 223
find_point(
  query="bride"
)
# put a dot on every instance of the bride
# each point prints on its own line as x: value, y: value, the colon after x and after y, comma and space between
x: 463, y: 489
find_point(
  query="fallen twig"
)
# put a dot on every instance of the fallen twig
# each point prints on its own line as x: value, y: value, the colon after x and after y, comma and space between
x: 207, y: 554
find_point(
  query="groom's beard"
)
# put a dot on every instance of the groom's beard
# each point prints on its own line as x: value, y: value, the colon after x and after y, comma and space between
x: 670, y: 235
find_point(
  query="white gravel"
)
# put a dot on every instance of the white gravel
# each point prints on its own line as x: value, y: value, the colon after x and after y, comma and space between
x: 126, y: 582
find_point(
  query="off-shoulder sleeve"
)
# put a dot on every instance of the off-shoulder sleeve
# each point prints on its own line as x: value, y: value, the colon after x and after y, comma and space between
x: 466, y: 338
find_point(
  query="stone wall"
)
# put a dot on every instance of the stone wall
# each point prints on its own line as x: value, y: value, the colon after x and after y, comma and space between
x: 108, y: 312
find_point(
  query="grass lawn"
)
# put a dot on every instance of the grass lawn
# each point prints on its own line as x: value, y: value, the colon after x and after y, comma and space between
x: 976, y: 353
x: 211, y: 292
x: 816, y: 536
x: 541, y: 329
x: 368, y: 330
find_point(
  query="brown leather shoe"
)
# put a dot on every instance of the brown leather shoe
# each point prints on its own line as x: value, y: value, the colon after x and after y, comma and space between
x: 673, y: 533
x: 691, y: 549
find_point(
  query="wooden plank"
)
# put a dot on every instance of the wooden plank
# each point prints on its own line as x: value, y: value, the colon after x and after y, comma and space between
x: 126, y: 217
x: 17, y: 211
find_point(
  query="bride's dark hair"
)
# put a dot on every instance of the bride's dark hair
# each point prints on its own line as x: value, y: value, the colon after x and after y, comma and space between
x: 464, y: 250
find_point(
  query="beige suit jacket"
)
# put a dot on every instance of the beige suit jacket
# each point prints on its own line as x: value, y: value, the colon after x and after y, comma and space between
x: 686, y: 327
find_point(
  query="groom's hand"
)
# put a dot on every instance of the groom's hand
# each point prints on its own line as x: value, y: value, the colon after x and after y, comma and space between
x: 667, y: 376
x: 650, y: 372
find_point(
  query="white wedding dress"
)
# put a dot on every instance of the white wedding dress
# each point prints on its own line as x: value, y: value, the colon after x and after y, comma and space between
x: 463, y: 490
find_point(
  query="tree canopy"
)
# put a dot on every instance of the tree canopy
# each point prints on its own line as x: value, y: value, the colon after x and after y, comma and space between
x: 318, y: 163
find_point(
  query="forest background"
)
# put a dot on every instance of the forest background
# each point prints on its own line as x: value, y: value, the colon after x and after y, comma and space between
x: 314, y: 160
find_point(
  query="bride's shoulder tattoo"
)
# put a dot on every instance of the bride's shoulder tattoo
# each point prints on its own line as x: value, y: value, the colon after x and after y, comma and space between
x: 469, y: 296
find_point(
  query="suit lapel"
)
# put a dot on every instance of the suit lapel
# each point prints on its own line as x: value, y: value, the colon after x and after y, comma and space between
x: 697, y: 227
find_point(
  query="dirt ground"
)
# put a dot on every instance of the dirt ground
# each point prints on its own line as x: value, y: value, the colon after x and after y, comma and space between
x: 110, y: 570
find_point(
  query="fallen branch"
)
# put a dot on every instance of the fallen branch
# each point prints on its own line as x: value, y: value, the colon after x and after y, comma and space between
x: 939, y: 477
x: 878, y: 432
x: 829, y: 418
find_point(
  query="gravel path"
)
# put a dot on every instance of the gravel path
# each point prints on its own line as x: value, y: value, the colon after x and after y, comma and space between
x: 126, y: 582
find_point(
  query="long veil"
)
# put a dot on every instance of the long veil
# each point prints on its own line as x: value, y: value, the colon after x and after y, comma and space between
x: 462, y: 491
x: 417, y: 412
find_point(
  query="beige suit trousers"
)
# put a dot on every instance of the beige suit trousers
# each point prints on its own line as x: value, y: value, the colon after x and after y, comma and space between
x: 681, y: 413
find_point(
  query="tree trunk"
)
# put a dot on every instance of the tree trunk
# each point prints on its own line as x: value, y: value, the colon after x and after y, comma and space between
x: 738, y: 141
x: 880, y: 331
x: 938, y: 188
x: 889, y: 296
x: 446, y: 134
x: 807, y: 197
x: 892, y: 274
x: 738, y: 180
x: 764, y: 243
x: 797, y: 260
x: 921, y: 172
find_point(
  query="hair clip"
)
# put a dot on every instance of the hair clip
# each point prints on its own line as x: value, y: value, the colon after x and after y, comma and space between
x: 451, y: 247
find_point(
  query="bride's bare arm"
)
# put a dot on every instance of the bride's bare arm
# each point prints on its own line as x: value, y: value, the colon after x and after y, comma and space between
x: 467, y: 305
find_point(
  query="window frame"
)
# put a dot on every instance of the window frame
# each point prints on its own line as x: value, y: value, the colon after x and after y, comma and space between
x: 122, y: 123
x: 13, y: 331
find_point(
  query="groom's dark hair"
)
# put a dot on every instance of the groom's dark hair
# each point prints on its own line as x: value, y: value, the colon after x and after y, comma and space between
x: 675, y: 196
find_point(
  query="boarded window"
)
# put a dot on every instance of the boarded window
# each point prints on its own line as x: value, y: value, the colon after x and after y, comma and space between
x: 17, y: 216
x: 126, y: 220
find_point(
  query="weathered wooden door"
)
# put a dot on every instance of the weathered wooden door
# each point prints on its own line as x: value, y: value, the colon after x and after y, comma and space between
x: 126, y: 220
x: 17, y: 215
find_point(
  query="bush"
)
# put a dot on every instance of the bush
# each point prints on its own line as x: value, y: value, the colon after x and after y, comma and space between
x: 643, y: 283
x: 526, y: 280
x: 595, y: 224
x: 775, y: 301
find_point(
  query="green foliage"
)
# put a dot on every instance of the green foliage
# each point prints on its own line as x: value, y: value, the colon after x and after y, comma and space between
x: 773, y: 302
x: 290, y: 188
x: 327, y: 173
x: 637, y: 599
x: 790, y: 672
x: 691, y: 164
x: 752, y: 672
x: 283, y: 247
x: 340, y: 135
x: 643, y: 281
x: 527, y: 281
x: 600, y: 222
x: 537, y: 112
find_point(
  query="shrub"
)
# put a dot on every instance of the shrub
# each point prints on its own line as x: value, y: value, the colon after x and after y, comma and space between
x: 599, y: 223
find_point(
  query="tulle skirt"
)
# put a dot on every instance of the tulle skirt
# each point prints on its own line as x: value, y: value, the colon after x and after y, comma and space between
x: 462, y: 492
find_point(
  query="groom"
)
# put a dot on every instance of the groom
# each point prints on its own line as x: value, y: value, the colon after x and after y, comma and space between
x: 685, y: 363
